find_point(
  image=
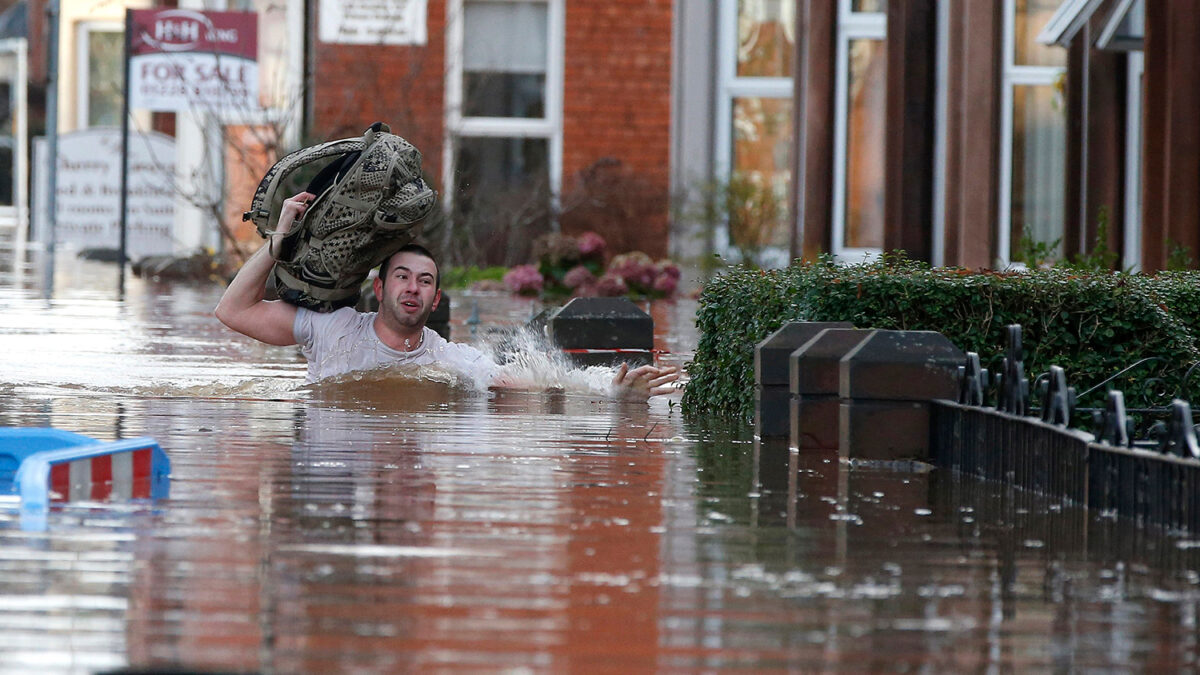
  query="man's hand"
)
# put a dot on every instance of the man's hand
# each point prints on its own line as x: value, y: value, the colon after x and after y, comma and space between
x: 293, y: 209
x: 643, y: 382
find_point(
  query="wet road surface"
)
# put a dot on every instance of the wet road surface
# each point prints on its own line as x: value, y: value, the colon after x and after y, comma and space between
x: 389, y: 525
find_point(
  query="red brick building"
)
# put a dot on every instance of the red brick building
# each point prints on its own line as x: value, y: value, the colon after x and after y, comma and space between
x: 531, y: 114
x: 512, y: 102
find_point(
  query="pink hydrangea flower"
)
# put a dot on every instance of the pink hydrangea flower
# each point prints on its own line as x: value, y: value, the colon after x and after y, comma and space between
x: 524, y: 279
x: 591, y: 245
x: 635, y: 268
x: 665, y: 283
x: 578, y: 276
x: 668, y: 268
x: 611, y: 285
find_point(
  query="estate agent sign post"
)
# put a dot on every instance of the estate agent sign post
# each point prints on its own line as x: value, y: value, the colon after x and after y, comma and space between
x: 180, y: 60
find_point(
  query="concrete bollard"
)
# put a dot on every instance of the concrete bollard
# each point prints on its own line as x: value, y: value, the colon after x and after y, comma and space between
x: 603, y: 332
x: 886, y: 384
x: 813, y: 379
x: 771, y: 378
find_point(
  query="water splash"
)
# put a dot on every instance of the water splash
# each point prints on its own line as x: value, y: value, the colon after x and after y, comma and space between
x: 529, y: 361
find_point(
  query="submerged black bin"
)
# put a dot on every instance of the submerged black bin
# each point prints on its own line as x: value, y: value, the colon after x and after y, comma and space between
x: 603, y: 332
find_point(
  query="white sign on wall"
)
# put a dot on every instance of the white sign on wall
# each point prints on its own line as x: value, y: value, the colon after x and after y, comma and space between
x: 372, y: 22
x: 89, y: 191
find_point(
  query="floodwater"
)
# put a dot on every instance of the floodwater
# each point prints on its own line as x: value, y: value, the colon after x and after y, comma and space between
x: 385, y: 525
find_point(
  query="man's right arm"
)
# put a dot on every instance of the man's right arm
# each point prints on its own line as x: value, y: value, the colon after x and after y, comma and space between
x: 243, y: 307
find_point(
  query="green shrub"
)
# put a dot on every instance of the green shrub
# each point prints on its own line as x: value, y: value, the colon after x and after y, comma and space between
x: 463, y: 277
x: 1092, y: 324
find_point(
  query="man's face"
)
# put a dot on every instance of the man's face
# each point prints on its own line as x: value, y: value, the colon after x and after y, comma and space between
x: 410, y: 293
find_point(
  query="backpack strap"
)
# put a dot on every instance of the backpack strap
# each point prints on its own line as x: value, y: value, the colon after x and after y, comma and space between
x: 265, y: 218
x: 330, y: 294
x: 383, y: 223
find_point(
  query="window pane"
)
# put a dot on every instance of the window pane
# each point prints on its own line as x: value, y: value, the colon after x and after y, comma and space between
x: 105, y: 54
x: 505, y: 36
x: 1031, y: 17
x: 1039, y: 150
x: 766, y: 38
x: 762, y: 146
x: 504, y: 95
x: 868, y: 5
x: 1133, y: 24
x: 502, y: 199
x: 504, y: 59
x: 864, y: 144
x: 1129, y: 31
x: 499, y: 164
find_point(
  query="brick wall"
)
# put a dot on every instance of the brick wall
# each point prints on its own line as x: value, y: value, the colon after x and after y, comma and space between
x: 355, y: 85
x: 617, y: 112
x: 616, y: 109
x: 249, y: 153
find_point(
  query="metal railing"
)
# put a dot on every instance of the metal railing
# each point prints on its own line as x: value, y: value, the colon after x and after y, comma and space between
x: 1153, y: 481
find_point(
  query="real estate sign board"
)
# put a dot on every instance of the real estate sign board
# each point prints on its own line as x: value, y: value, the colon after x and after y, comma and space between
x: 182, y: 59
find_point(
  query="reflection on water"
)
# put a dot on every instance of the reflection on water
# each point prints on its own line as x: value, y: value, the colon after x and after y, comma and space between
x: 392, y: 525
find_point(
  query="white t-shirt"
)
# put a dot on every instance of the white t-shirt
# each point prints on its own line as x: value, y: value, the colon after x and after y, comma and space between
x: 345, y: 340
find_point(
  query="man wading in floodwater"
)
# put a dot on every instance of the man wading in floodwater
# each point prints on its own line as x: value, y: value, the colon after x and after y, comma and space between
x: 345, y: 340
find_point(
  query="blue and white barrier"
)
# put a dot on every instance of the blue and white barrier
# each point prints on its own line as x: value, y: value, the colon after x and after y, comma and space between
x: 43, y: 466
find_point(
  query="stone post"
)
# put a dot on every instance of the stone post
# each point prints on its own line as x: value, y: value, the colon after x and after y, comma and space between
x: 886, y: 384
x: 771, y: 377
x: 813, y: 379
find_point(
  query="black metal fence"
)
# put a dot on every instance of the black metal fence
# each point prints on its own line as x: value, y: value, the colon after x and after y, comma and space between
x: 1153, y: 481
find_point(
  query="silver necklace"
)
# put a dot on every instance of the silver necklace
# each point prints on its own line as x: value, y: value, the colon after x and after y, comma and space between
x: 408, y: 345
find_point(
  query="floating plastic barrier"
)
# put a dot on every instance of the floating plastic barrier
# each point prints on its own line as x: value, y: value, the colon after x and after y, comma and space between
x: 42, y: 466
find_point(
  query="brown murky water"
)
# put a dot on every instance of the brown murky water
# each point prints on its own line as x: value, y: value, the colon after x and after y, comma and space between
x: 394, y: 526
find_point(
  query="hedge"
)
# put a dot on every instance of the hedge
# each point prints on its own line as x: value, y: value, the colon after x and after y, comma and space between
x: 1092, y: 324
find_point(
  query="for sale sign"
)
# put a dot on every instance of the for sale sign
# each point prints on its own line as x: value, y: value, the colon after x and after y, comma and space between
x: 180, y: 59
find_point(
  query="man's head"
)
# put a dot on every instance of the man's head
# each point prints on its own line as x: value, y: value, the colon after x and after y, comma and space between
x: 417, y: 249
x: 408, y: 288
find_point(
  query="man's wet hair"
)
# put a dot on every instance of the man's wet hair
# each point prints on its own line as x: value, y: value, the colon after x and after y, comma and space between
x: 419, y: 250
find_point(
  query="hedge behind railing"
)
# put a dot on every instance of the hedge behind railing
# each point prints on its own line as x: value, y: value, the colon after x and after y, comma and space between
x: 1091, y: 324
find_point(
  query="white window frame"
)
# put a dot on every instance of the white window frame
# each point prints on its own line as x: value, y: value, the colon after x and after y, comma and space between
x: 851, y: 26
x: 549, y: 127
x: 1109, y: 34
x: 729, y: 87
x: 1013, y: 76
x: 83, y: 30
x: 1066, y: 22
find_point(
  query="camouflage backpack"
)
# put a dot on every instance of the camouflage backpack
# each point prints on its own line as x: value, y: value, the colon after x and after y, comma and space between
x: 370, y: 202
